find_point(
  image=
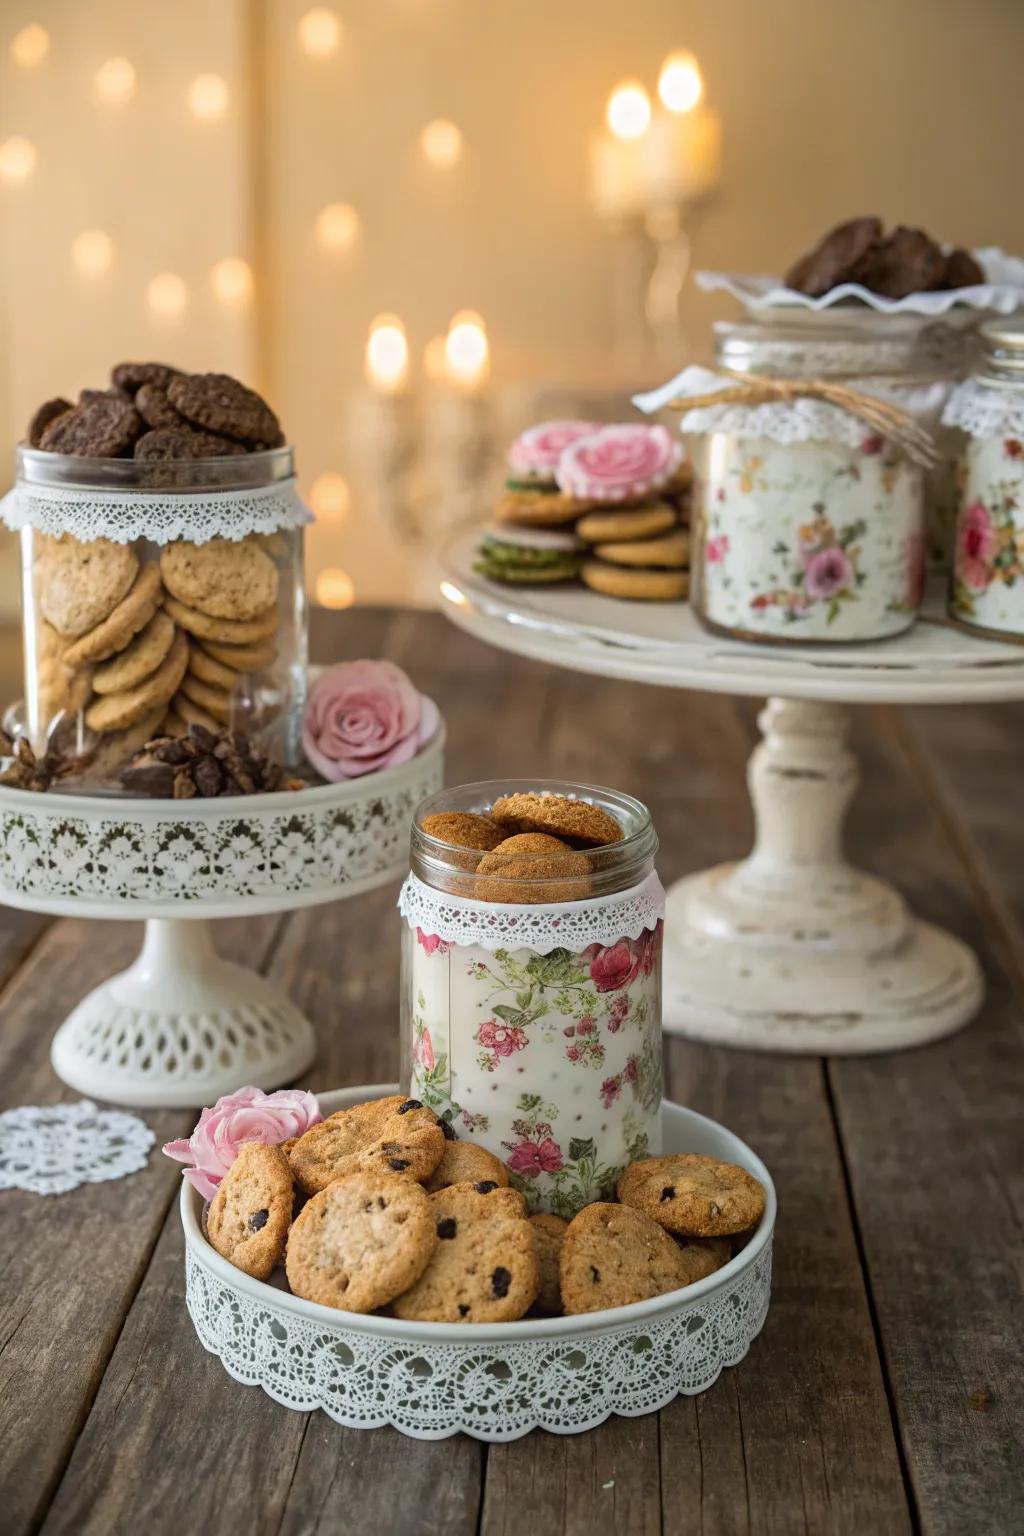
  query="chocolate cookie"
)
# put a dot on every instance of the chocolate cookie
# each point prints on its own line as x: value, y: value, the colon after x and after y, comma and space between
x: 693, y: 1195
x: 131, y: 376
x: 80, y: 585
x: 153, y: 406
x: 47, y: 412
x: 613, y: 1255
x: 549, y: 1235
x: 361, y: 1242
x: 228, y: 631
x: 557, y: 815
x: 170, y: 445
x: 835, y: 255
x: 484, y: 1268
x: 909, y: 261
x: 115, y: 711
x: 392, y: 1135
x: 464, y: 1162
x: 226, y: 578
x: 221, y: 404
x: 249, y: 1216
x: 104, y: 428
x: 139, y: 659
x: 132, y: 613
x: 962, y: 271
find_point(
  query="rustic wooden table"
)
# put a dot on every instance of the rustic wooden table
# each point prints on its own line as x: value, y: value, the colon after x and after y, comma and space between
x: 885, y: 1392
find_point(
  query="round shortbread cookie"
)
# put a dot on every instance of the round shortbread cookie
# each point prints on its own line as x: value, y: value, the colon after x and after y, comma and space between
x: 215, y: 701
x: 209, y: 670
x: 205, y: 627
x: 693, y: 1195
x: 250, y: 1214
x: 638, y: 586
x: 671, y: 552
x: 642, y: 523
x: 191, y: 714
x: 80, y: 585
x: 116, y: 711
x: 224, y: 578
x: 360, y: 1242
x: 131, y: 614
x: 539, y: 509
x: 484, y: 1268
x: 139, y: 659
x: 242, y: 658
x: 613, y: 1255
x: 392, y: 1135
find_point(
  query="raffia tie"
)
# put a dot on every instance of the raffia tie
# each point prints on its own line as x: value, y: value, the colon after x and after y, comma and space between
x: 887, y: 420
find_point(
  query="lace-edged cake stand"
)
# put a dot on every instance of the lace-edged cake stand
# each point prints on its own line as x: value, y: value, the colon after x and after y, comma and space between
x: 180, y: 1026
x: 493, y: 1381
x: 791, y: 949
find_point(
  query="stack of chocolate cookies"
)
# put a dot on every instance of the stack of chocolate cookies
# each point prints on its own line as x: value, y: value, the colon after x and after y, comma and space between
x: 896, y: 265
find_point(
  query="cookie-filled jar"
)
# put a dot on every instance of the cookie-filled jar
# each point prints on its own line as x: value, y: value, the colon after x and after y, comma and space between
x: 162, y: 572
x: 986, y: 591
x: 531, y: 988
x: 808, y: 512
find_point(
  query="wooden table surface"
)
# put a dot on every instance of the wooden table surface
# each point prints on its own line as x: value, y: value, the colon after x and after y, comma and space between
x: 884, y: 1394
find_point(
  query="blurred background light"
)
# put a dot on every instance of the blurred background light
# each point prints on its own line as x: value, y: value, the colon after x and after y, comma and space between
x: 629, y: 110
x: 115, y: 82
x: 30, y: 46
x: 335, y: 588
x: 337, y: 225
x: 232, y: 281
x: 330, y: 497
x: 92, y: 253
x: 167, y: 296
x: 320, y: 32
x: 208, y: 97
x: 441, y: 143
x: 387, y: 354
x: 680, y: 85
x: 17, y: 158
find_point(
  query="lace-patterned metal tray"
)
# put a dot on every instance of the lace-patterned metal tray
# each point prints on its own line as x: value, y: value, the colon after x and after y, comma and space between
x: 491, y: 1381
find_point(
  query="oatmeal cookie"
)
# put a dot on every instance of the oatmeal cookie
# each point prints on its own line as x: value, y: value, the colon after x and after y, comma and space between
x: 693, y: 1195
x: 226, y: 631
x: 224, y: 578
x: 549, y: 1234
x: 132, y: 613
x: 80, y: 585
x: 360, y: 1242
x: 392, y: 1135
x: 484, y: 1268
x: 249, y: 1216
x: 139, y: 659
x: 613, y: 1255
x: 115, y: 711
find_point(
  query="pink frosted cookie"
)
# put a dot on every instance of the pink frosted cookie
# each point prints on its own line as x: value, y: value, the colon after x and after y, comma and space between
x: 619, y: 463
x: 537, y: 451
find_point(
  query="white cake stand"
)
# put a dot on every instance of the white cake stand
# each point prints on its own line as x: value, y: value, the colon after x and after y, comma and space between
x: 180, y: 1026
x: 790, y: 949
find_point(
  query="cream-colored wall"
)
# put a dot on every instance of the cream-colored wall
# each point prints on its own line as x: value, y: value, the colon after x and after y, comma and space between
x: 911, y: 108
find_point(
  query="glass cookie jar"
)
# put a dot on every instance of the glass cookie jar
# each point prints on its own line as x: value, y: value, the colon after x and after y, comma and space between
x: 986, y: 592
x: 156, y: 595
x: 533, y: 1025
x: 809, y: 525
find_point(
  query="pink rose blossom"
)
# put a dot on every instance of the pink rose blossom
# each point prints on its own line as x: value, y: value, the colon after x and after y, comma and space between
x: 610, y: 1090
x: 424, y: 1051
x: 363, y: 716
x: 828, y: 572
x: 975, y: 546
x: 650, y: 947
x: 613, y: 967
x: 572, y: 1052
x: 873, y: 443
x: 431, y: 944
x: 531, y: 1158
x: 630, y: 1073
x: 619, y: 462
x: 502, y: 1039
x: 249, y: 1114
x: 586, y: 1027
x: 538, y: 449
x: 715, y: 550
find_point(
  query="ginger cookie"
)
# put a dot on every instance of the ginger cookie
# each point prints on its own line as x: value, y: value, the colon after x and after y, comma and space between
x: 549, y: 1235
x: 131, y: 376
x: 249, y: 1216
x: 613, y: 1255
x: 392, y: 1135
x: 360, y: 1242
x: 694, y: 1195
x: 462, y: 829
x: 642, y: 523
x: 484, y: 1268
x: 47, y: 412
x: 464, y: 1162
x: 221, y: 404
x: 192, y: 714
x: 224, y: 578
x: 139, y: 659
x: 81, y: 584
x: 100, y: 428
x: 228, y: 631
x: 214, y: 701
x: 242, y: 658
x: 115, y: 711
x: 559, y: 816
x: 532, y: 867
x: 132, y: 613
x: 637, y: 586
x: 670, y: 553
x: 209, y: 670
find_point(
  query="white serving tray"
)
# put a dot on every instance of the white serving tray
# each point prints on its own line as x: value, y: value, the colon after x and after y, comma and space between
x: 493, y: 1381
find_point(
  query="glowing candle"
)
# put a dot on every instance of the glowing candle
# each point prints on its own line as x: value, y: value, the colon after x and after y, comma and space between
x: 387, y: 355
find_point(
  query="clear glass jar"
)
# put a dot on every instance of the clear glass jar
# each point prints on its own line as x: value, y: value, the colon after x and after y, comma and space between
x: 533, y: 1026
x: 816, y: 541
x: 986, y: 592
x: 128, y: 637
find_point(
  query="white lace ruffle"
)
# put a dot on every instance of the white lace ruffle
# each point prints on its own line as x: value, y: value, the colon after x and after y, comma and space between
x: 791, y: 421
x: 49, y: 1149
x: 601, y: 920
x: 984, y: 410
x: 1002, y: 291
x: 88, y: 513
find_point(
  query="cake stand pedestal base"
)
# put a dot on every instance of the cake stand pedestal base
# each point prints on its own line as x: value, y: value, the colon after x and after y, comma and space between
x: 793, y: 949
x: 180, y: 1027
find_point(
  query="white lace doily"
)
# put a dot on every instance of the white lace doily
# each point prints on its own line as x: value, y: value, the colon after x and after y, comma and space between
x: 600, y: 920
x: 123, y: 515
x: 790, y: 421
x: 49, y: 1149
x: 1001, y: 291
x: 985, y: 410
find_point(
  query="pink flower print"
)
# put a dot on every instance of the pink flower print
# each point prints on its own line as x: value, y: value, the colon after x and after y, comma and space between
x: 615, y: 966
x: 630, y: 1070
x: 424, y: 1052
x: 610, y: 1090
x: 572, y: 1053
x: 1013, y: 447
x: 502, y: 1039
x: 431, y: 944
x: 873, y: 443
x: 715, y: 550
x: 570, y: 1030
x: 828, y: 572
x: 586, y: 1027
x: 614, y: 1023
x: 531, y: 1158
x: 650, y: 947
x: 975, y: 546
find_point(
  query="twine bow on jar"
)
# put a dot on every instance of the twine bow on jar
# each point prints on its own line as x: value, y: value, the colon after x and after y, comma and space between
x: 890, y: 421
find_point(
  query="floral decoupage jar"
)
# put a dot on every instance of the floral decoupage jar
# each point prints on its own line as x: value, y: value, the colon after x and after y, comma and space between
x: 987, y: 581
x: 531, y: 987
x: 157, y: 594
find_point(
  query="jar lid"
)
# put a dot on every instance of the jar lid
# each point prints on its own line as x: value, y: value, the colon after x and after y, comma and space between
x: 1002, y: 344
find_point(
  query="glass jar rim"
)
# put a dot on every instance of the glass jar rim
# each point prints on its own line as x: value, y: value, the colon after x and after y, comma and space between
x: 231, y: 472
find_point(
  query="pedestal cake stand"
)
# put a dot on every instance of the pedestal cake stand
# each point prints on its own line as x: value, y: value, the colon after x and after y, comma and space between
x: 791, y: 949
x: 180, y: 1026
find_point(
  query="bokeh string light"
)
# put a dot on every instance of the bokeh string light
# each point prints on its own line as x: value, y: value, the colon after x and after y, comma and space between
x: 680, y: 85
x: 208, y: 98
x: 629, y: 110
x: 320, y: 32
x: 337, y: 226
x: 441, y: 144
x: 115, y: 82
x: 466, y: 350
x: 167, y: 296
x: 92, y: 253
x: 232, y: 281
x: 30, y: 46
x: 17, y: 159
x: 335, y: 588
x: 330, y: 497
x: 387, y: 354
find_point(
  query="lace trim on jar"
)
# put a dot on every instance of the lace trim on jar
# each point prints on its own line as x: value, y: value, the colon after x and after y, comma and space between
x: 88, y: 513
x: 985, y: 410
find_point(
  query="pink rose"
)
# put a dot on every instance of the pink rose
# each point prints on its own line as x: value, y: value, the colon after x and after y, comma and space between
x: 531, y: 1158
x: 715, y: 550
x: 424, y: 1052
x: 975, y: 546
x: 431, y: 944
x: 615, y: 966
x: 619, y: 462
x: 828, y: 572
x: 362, y: 716
x: 249, y: 1114
x: 538, y: 449
x: 650, y: 947
x: 502, y: 1039
x: 610, y: 1090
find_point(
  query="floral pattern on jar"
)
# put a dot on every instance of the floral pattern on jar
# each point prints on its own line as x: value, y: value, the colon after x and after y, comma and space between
x: 552, y: 1061
x: 987, y: 588
x: 809, y: 541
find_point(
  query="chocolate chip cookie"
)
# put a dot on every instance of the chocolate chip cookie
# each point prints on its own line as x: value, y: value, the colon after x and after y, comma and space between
x: 613, y: 1255
x: 360, y: 1242
x: 484, y: 1268
x: 694, y: 1195
x: 249, y: 1216
x: 464, y: 1162
x: 221, y: 404
x: 392, y: 1135
x: 549, y: 1234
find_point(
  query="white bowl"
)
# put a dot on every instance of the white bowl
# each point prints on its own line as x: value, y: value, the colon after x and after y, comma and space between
x: 494, y: 1381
